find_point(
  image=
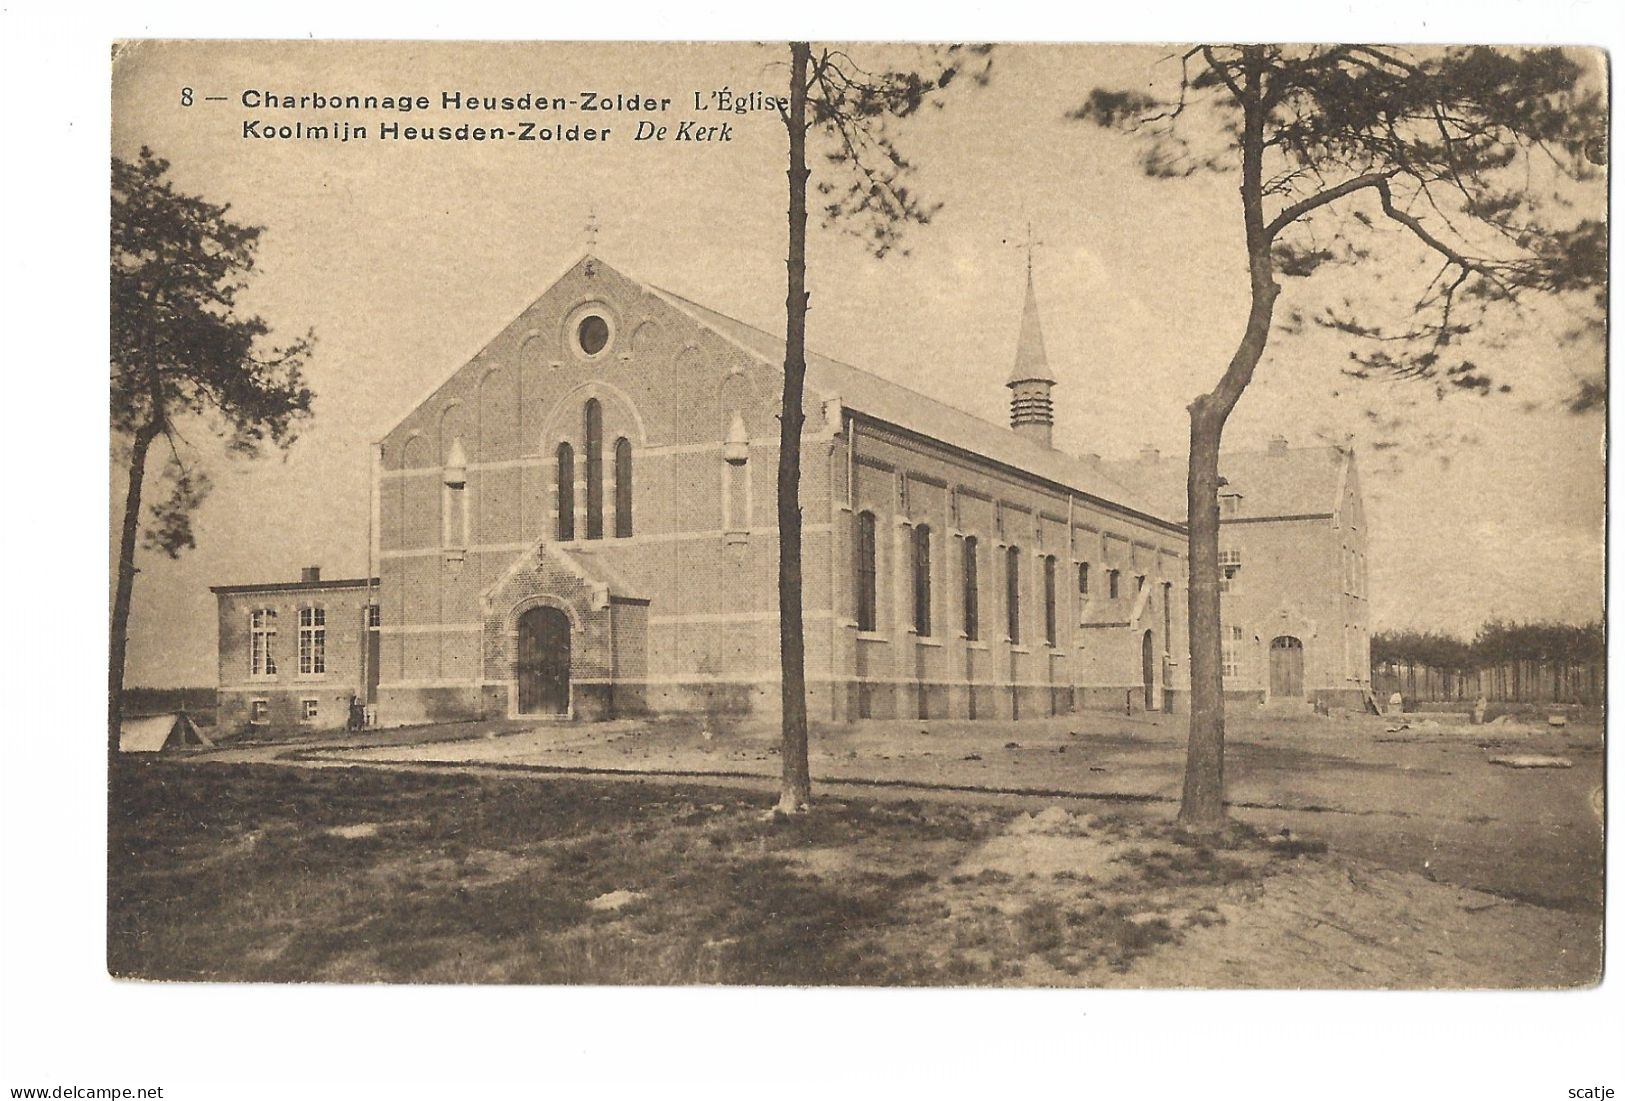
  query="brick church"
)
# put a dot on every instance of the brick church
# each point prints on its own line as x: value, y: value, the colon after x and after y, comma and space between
x: 581, y: 522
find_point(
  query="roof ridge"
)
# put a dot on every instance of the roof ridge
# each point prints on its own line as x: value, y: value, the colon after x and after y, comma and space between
x: 1129, y: 497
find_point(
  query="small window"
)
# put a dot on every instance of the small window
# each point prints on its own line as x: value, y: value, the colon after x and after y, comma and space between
x: 1229, y: 504
x: 262, y: 642
x: 1049, y: 599
x: 922, y: 581
x: 623, y: 488
x: 259, y: 711
x: 565, y: 493
x: 973, y: 618
x: 1231, y: 665
x: 592, y: 465
x: 1083, y: 579
x: 1111, y: 584
x: 313, y: 640
x: 866, y: 571
x: 592, y: 334
x: 1229, y: 569
x: 373, y: 617
x: 308, y: 709
x: 1012, y: 594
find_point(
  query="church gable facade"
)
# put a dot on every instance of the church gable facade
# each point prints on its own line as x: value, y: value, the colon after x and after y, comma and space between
x: 581, y: 522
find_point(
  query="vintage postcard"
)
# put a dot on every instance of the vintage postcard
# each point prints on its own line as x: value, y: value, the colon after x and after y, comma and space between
x: 857, y: 514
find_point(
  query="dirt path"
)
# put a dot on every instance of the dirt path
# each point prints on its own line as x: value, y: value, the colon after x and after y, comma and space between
x: 1350, y: 924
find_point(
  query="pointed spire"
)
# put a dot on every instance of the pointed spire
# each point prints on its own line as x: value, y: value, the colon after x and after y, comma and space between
x: 1031, y: 365
x: 1032, y: 412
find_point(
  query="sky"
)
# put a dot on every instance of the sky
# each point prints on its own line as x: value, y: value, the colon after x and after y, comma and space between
x: 405, y: 258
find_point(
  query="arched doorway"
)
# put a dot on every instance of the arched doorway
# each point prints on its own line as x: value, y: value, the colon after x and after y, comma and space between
x: 1286, y: 667
x: 1148, y: 671
x: 544, y: 662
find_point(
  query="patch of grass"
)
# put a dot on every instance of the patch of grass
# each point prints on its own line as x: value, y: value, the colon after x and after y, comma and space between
x: 1041, y: 928
x: 1188, y: 867
x: 1290, y: 848
x: 229, y: 872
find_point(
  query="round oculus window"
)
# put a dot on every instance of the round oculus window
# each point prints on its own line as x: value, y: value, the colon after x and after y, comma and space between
x: 592, y: 334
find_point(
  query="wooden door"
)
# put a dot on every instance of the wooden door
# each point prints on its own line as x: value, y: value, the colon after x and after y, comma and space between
x: 544, y: 662
x: 1286, y: 667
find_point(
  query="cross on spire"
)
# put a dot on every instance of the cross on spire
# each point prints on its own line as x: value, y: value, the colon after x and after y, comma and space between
x: 1028, y: 244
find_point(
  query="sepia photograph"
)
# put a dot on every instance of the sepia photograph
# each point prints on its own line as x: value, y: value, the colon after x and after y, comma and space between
x: 929, y: 561
x: 868, y: 514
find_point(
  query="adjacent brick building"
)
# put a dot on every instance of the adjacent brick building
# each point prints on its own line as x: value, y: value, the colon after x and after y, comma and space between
x: 1292, y: 547
x: 296, y: 653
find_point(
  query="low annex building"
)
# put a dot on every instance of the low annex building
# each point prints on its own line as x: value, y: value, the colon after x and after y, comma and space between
x: 296, y: 653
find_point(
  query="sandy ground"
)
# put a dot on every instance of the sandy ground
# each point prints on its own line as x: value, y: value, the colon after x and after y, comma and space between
x: 1425, y: 800
x: 1445, y: 869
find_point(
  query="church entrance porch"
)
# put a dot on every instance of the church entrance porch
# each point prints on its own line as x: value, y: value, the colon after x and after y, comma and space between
x: 544, y: 662
x: 563, y: 636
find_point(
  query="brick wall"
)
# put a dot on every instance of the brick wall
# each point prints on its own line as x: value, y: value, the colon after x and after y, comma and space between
x: 703, y: 549
x: 285, y: 692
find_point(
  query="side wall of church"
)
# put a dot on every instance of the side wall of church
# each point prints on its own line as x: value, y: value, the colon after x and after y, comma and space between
x: 972, y: 666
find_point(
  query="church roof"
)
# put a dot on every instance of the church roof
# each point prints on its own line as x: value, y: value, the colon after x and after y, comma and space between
x: 1031, y: 365
x: 1293, y: 481
x: 884, y: 400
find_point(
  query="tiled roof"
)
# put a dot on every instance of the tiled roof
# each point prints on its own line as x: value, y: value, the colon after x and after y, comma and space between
x: 1296, y: 481
x: 881, y: 399
x: 294, y: 586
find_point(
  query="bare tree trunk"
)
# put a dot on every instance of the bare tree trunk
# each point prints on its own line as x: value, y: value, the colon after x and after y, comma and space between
x: 796, y: 792
x: 1202, y: 804
x: 118, y: 642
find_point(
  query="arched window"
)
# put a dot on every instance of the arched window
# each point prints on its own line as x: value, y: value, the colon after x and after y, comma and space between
x: 922, y: 581
x: 313, y: 639
x: 1083, y: 579
x: 593, y: 466
x: 262, y: 642
x: 1012, y: 593
x: 565, y: 493
x: 973, y: 617
x: 1049, y: 599
x: 1168, y: 616
x: 866, y: 571
x: 623, y: 488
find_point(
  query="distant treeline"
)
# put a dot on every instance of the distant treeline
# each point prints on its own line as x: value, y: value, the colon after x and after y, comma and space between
x: 1503, y: 662
x: 198, y: 702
